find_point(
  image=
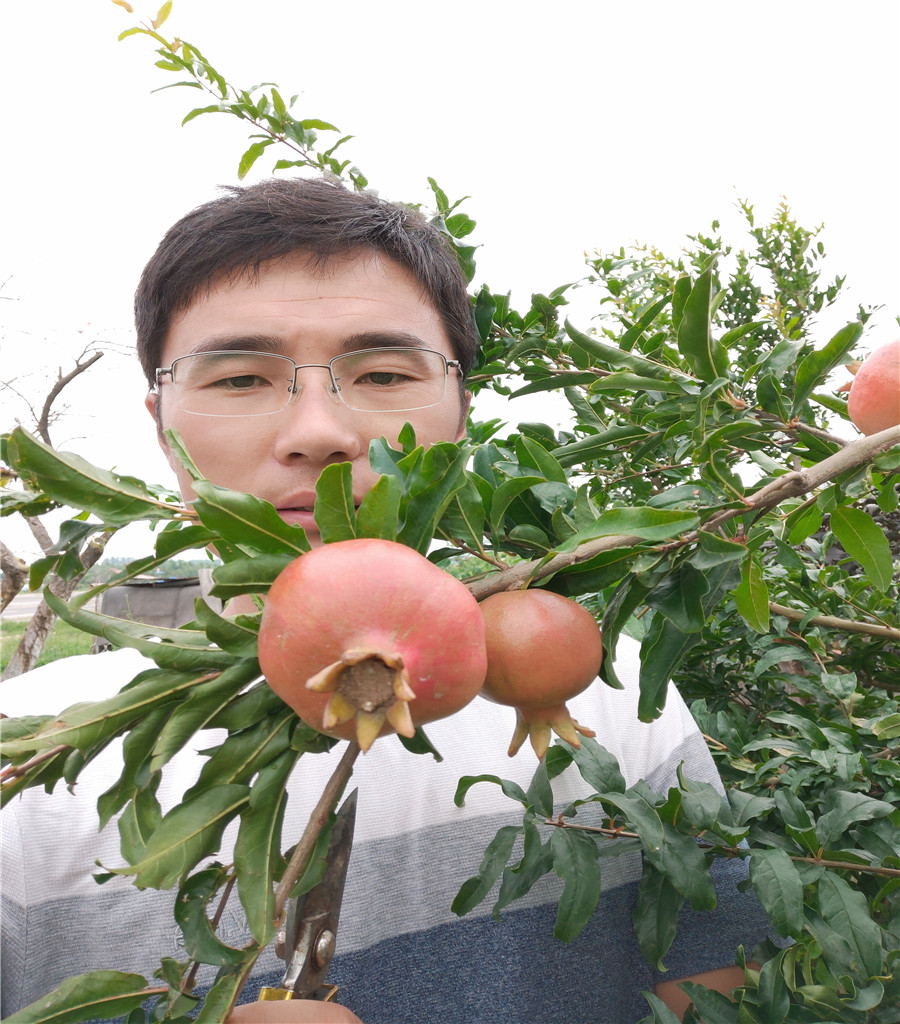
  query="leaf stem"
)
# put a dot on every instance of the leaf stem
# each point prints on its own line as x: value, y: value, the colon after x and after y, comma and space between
x: 303, y: 850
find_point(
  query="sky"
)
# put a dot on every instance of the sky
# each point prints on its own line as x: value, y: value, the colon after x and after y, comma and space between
x: 574, y: 126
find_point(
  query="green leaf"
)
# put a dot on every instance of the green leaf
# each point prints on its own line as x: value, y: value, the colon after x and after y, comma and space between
x: 575, y: 860
x: 67, y: 478
x: 655, y: 914
x: 505, y: 494
x: 620, y: 360
x: 334, y: 512
x: 257, y: 851
x: 779, y: 888
x: 843, y: 809
x: 379, y: 512
x: 251, y: 155
x: 661, y: 1013
x: 815, y: 367
x: 510, y: 789
x: 442, y: 475
x: 190, y: 831
x: 495, y: 859
x: 537, y: 861
x: 200, y: 940
x: 206, y: 699
x: 707, y: 357
x: 845, y: 910
x: 248, y: 522
x: 536, y: 456
x: 862, y: 539
x: 713, y: 1007
x: 248, y: 575
x: 644, y: 522
x: 679, y: 596
x: 751, y: 596
x: 598, y: 767
x: 85, y: 724
x: 104, y: 994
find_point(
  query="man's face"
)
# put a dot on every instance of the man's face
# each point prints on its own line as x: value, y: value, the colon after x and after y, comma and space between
x: 311, y: 317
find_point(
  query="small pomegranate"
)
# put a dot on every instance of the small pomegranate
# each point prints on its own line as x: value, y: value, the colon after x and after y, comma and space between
x: 367, y: 637
x: 542, y: 649
x: 874, y: 400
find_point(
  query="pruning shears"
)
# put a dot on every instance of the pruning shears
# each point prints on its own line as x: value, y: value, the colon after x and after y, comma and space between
x: 307, y: 941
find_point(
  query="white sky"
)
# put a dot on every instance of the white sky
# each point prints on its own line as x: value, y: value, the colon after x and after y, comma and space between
x: 577, y: 125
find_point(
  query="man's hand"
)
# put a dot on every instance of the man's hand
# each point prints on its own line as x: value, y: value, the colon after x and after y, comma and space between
x: 292, y: 1011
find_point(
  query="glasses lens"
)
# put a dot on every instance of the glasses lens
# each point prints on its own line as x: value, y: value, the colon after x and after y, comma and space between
x: 390, y: 379
x: 232, y: 383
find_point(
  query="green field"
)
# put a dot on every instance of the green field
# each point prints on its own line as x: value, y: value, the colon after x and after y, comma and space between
x: 64, y: 640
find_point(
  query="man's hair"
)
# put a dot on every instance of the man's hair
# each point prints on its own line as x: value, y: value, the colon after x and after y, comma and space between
x: 237, y: 233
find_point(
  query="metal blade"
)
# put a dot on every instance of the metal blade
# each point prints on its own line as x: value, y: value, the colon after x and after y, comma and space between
x: 312, y: 919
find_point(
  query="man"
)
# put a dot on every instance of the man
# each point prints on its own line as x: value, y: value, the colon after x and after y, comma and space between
x: 281, y: 328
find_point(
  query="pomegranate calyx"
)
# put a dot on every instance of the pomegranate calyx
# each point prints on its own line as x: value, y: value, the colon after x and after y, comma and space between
x: 537, y: 724
x: 370, y: 686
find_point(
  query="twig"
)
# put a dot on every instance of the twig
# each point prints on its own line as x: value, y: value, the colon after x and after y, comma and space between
x: 791, y: 485
x: 833, y: 622
x: 303, y: 850
x: 614, y: 833
x: 188, y: 984
x: 16, y: 771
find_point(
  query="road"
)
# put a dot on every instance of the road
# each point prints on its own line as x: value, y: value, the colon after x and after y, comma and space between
x: 22, y: 607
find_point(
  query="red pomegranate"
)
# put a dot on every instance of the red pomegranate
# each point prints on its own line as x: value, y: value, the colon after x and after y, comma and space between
x: 363, y: 638
x: 542, y: 649
x: 874, y: 400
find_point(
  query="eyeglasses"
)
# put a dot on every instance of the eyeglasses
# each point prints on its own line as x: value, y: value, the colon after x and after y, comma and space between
x: 245, y: 383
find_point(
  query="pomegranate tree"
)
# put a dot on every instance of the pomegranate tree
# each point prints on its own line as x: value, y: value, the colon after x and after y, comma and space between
x: 874, y: 400
x: 542, y: 649
x: 367, y: 637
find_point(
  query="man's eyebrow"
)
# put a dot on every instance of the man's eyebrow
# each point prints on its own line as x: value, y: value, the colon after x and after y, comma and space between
x: 239, y: 342
x: 381, y: 339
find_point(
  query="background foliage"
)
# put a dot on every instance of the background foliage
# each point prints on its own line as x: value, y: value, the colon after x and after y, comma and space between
x: 706, y: 495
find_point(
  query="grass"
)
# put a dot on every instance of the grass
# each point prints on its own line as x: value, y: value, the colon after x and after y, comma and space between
x: 64, y: 640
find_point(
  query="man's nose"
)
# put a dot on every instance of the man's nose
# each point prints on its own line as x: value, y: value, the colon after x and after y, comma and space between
x: 316, y: 424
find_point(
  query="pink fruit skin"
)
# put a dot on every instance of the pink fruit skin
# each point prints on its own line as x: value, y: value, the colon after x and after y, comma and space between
x: 874, y: 400
x: 380, y: 595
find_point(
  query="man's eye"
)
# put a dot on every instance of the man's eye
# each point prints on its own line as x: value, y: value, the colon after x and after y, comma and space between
x: 383, y: 378
x: 244, y: 382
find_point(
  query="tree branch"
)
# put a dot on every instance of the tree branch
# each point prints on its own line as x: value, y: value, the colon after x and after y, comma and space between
x: 833, y: 622
x: 617, y: 833
x: 791, y: 485
x: 15, y: 572
x: 43, y: 423
x: 303, y: 850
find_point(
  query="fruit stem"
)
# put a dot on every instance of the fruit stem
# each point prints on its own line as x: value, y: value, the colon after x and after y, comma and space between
x: 317, y: 820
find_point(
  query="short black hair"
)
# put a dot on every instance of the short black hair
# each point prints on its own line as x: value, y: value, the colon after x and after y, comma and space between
x: 247, y: 227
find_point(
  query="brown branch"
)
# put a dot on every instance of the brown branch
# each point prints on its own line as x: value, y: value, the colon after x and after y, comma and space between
x: 833, y: 622
x: 615, y: 833
x: 520, y: 576
x: 791, y: 485
x: 16, y: 771
x: 40, y: 624
x: 15, y: 572
x: 303, y: 850
x: 43, y: 423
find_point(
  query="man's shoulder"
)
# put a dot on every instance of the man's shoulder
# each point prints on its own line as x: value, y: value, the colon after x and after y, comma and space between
x: 83, y: 677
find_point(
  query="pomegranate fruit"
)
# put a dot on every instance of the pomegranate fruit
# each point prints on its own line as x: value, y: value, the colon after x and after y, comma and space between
x: 542, y: 649
x: 874, y: 400
x: 367, y: 637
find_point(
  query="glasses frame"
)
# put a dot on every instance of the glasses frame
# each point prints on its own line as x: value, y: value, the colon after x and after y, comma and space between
x: 294, y: 390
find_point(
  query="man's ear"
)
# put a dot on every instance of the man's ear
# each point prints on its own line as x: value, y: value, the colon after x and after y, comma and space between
x: 466, y: 405
x: 151, y: 404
